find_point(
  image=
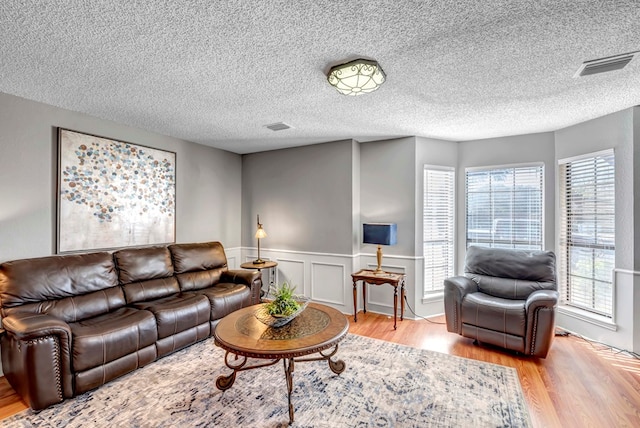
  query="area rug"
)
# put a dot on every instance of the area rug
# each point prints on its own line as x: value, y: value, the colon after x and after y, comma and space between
x: 384, y: 385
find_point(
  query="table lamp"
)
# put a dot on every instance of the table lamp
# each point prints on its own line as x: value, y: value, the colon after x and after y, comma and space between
x: 260, y: 233
x: 380, y: 234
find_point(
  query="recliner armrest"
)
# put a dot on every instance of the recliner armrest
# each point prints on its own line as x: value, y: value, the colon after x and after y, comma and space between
x: 540, y: 307
x: 455, y: 288
x: 462, y: 284
x: 541, y: 298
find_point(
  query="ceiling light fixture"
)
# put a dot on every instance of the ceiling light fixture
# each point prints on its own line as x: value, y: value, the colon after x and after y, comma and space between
x: 356, y: 77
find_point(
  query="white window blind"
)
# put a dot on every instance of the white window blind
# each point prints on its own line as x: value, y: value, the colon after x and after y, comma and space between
x: 587, y: 232
x: 505, y: 207
x: 438, y: 227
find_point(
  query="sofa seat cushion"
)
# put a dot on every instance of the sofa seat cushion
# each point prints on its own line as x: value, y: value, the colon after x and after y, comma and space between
x: 105, y: 338
x: 494, y: 313
x: 175, y: 314
x: 225, y: 297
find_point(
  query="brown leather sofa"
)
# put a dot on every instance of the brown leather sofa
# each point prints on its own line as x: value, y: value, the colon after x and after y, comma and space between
x: 74, y: 322
x: 506, y: 298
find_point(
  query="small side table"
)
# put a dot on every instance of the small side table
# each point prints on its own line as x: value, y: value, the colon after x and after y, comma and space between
x: 259, y: 266
x: 370, y: 277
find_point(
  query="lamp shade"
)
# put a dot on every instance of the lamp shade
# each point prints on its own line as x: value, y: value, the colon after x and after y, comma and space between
x: 356, y: 77
x: 260, y: 233
x: 380, y: 233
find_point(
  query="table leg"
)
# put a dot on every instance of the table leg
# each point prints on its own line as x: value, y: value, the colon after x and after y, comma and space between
x: 355, y: 301
x: 288, y: 373
x: 364, y: 297
x: 272, y: 277
x: 337, y: 366
x: 403, y: 297
x: 225, y: 382
x: 395, y: 307
x: 237, y: 363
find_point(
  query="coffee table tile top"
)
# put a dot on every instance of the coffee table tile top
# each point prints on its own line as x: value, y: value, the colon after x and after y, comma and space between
x: 310, y: 321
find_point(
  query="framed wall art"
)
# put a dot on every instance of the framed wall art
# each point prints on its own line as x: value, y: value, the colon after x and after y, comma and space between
x: 113, y: 194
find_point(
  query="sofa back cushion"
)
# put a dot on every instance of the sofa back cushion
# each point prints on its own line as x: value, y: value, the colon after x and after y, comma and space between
x: 511, y: 274
x: 146, y: 273
x: 198, y: 265
x: 72, y: 288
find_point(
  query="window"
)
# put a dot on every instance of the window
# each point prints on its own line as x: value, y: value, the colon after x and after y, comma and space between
x: 438, y: 227
x: 504, y: 207
x: 587, y: 232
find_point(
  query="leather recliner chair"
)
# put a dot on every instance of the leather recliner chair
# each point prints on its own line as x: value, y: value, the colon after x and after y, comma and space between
x: 506, y: 298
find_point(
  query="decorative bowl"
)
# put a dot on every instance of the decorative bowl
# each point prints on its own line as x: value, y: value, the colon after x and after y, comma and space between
x: 279, y: 320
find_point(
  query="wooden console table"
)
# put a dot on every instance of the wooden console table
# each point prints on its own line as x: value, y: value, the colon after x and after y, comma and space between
x: 370, y: 277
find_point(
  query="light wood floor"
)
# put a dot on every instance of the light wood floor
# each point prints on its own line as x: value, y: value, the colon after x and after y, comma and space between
x: 578, y: 385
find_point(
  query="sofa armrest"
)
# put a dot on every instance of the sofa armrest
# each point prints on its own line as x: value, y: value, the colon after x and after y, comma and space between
x: 540, y: 308
x: 240, y: 276
x: 36, y: 358
x: 27, y: 326
x: 250, y: 278
x: 455, y: 288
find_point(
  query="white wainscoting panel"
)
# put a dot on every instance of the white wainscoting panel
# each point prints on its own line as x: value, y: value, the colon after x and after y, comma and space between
x: 233, y: 257
x: 292, y: 271
x: 327, y: 283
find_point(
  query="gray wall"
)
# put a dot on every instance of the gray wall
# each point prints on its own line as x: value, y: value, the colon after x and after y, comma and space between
x: 208, y: 180
x: 304, y: 196
x: 387, y: 191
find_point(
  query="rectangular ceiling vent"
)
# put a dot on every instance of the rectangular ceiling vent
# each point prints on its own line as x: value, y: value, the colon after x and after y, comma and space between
x: 278, y: 126
x: 604, y: 65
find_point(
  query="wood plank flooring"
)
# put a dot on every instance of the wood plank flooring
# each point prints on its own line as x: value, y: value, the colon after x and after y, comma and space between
x: 579, y: 384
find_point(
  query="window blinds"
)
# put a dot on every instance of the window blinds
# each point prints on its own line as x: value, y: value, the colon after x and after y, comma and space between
x: 505, y: 207
x: 438, y: 227
x: 587, y: 232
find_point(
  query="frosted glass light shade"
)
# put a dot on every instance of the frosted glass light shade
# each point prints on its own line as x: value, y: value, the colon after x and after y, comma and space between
x: 356, y: 77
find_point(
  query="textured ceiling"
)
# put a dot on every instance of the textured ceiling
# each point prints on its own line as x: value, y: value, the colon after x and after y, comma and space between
x: 216, y: 72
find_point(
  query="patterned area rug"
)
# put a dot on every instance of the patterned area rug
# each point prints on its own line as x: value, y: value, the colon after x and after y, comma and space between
x: 384, y: 385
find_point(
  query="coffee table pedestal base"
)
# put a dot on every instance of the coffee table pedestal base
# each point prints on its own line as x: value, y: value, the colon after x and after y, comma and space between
x: 238, y: 364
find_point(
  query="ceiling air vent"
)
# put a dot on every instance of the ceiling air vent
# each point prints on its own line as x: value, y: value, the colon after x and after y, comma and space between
x: 604, y: 65
x: 278, y: 126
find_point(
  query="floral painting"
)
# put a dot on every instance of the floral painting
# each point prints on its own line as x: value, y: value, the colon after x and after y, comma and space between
x: 113, y: 194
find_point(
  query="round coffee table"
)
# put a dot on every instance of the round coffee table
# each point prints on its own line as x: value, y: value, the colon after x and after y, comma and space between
x: 315, y: 330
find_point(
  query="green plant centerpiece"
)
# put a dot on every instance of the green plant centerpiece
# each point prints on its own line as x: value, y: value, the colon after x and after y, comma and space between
x: 282, y: 306
x: 284, y: 303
